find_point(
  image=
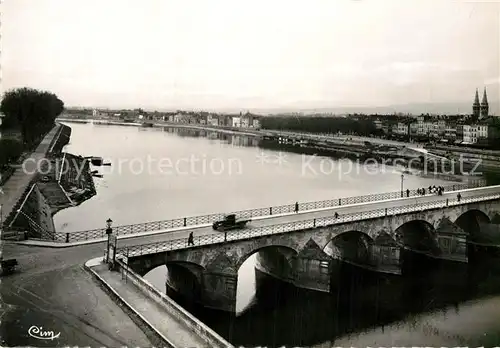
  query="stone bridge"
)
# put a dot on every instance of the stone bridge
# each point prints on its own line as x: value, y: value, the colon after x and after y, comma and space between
x: 308, y: 258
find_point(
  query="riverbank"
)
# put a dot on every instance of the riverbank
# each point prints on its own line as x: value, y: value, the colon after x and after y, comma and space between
x: 53, y: 184
x: 227, y: 130
x: 381, y: 150
x: 17, y: 187
x: 406, y: 160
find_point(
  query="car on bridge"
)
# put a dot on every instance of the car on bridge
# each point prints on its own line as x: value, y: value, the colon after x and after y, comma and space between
x: 229, y: 223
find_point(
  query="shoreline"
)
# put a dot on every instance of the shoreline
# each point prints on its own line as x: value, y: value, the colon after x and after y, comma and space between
x: 45, y: 195
x: 226, y: 130
x: 331, y: 148
x: 21, y: 187
x: 343, y: 140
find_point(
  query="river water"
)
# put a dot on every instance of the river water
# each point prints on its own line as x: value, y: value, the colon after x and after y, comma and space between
x: 159, y: 174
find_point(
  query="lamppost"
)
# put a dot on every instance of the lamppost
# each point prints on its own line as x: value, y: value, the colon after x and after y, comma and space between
x: 1, y: 222
x: 1, y: 209
x: 402, y: 178
x: 109, y: 232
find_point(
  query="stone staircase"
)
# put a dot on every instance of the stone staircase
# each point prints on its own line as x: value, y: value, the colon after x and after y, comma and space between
x: 55, y: 196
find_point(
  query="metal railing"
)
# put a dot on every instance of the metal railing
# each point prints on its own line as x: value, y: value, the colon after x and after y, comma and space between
x: 217, y: 238
x: 245, y: 214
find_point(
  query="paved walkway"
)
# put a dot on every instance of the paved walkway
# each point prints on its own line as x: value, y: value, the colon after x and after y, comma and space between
x: 52, y: 288
x: 156, y: 314
x: 14, y: 188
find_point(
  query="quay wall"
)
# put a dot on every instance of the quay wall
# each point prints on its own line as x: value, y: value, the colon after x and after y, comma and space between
x: 61, y: 140
x: 155, y: 337
x: 211, y: 337
x: 55, y: 139
x: 51, y: 191
x: 34, y: 216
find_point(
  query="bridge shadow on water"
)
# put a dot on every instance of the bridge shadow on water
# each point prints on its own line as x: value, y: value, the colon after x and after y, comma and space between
x: 283, y: 315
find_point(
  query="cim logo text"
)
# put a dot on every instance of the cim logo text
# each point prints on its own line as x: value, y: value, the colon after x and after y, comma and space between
x: 38, y: 333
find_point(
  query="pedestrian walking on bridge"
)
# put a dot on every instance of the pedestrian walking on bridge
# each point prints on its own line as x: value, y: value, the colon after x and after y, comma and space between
x: 459, y: 196
x: 190, y: 239
x: 296, y: 207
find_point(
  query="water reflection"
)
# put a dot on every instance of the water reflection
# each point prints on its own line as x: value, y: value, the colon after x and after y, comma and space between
x: 226, y: 138
x: 283, y: 315
x: 131, y: 194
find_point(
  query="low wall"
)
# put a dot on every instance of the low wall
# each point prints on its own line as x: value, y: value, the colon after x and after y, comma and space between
x: 35, y: 216
x: 212, y: 338
x: 156, y: 338
x: 42, y: 199
x: 59, y: 139
x: 62, y: 139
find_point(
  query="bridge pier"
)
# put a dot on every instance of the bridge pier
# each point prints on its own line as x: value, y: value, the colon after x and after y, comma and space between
x: 219, y: 291
x: 308, y: 270
x: 311, y: 268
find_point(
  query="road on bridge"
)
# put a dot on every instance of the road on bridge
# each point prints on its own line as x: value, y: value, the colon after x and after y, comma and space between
x: 296, y: 217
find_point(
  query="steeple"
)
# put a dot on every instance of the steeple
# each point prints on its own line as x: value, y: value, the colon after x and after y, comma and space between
x: 476, y: 107
x: 485, y: 97
x: 484, y: 105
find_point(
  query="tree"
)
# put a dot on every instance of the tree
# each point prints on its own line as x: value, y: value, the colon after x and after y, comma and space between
x: 32, y: 111
x: 10, y: 150
x: 319, y: 124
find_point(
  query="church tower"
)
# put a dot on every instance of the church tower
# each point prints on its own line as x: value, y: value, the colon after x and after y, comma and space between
x: 476, y: 107
x: 484, y: 105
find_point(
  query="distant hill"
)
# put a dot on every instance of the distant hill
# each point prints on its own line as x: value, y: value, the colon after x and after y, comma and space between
x: 416, y: 109
x: 431, y: 108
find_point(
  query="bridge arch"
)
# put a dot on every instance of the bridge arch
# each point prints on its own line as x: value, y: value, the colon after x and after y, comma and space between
x: 471, y: 222
x: 184, y: 277
x: 274, y: 260
x: 287, y: 253
x: 418, y: 235
x: 353, y: 246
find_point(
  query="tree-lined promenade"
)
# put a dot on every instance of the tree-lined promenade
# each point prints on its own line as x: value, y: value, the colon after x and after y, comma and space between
x: 29, y: 113
x: 319, y: 124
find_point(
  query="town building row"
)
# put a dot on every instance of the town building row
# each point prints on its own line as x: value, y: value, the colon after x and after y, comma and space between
x: 246, y: 120
x: 477, y: 128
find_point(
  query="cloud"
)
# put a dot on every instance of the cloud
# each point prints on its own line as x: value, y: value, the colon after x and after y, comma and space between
x: 492, y: 81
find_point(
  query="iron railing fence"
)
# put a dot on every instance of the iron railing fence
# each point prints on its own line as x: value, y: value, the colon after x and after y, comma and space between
x: 218, y: 237
x: 201, y: 220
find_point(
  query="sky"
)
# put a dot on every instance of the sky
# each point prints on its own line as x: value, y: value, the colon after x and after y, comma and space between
x: 218, y: 54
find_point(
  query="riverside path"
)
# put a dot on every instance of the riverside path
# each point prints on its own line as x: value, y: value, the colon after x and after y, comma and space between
x: 20, y: 180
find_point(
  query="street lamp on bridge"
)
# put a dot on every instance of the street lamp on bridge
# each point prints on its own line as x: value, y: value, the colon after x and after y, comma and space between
x: 402, y: 179
x: 109, y: 232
